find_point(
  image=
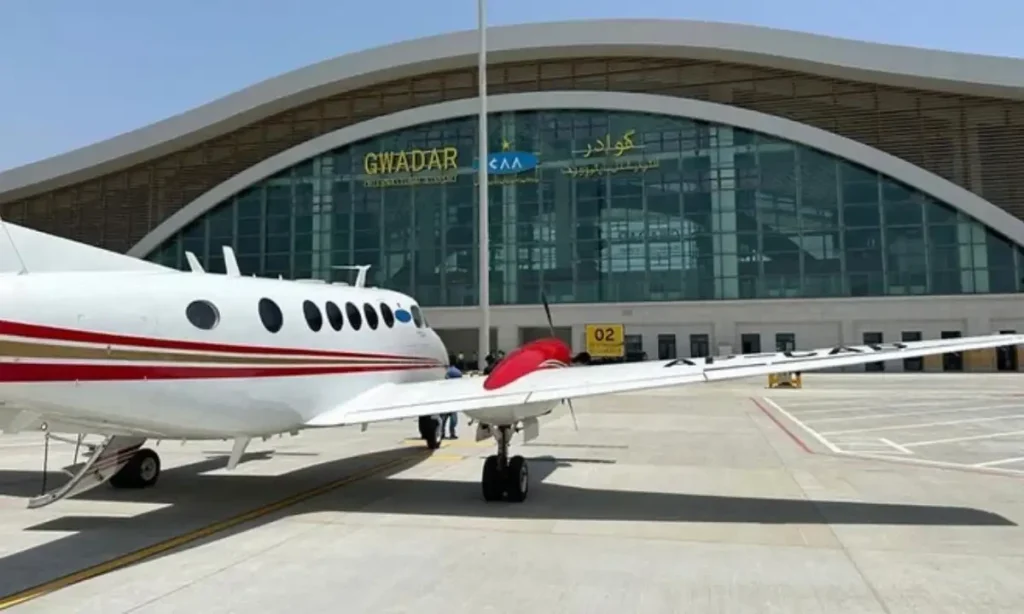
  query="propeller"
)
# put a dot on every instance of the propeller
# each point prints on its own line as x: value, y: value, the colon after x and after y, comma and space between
x: 551, y: 328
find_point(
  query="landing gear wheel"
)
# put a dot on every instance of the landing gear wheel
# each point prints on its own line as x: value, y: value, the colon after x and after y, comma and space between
x: 430, y: 431
x: 142, y: 471
x: 517, y: 479
x: 504, y: 476
x: 492, y: 483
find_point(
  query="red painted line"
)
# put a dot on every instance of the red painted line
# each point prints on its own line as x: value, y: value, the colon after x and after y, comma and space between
x: 53, y: 333
x: 782, y: 426
x: 21, y: 372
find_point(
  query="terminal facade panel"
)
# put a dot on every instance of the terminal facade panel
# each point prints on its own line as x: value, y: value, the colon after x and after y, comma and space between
x: 698, y: 237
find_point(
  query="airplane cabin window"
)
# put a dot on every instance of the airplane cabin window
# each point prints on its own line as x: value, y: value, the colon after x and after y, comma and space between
x: 387, y: 314
x: 355, y: 319
x: 371, y: 316
x: 334, y: 317
x: 417, y: 316
x: 314, y: 318
x: 202, y: 314
x: 270, y: 315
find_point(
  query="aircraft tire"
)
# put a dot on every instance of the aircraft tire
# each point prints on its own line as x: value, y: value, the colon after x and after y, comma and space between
x: 517, y: 479
x: 491, y: 482
x: 142, y: 471
x: 430, y: 431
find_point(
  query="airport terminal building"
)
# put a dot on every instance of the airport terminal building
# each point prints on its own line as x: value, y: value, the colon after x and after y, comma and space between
x: 709, y: 188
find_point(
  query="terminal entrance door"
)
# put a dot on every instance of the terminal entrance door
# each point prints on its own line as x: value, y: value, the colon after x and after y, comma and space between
x: 1006, y: 356
x: 873, y: 338
x: 952, y: 361
x: 750, y: 343
x: 700, y: 346
x: 666, y: 347
x: 912, y: 364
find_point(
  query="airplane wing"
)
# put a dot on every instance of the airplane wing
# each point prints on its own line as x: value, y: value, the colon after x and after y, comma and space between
x: 398, y: 401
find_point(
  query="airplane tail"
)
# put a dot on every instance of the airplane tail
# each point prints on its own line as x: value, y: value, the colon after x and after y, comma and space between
x: 23, y: 250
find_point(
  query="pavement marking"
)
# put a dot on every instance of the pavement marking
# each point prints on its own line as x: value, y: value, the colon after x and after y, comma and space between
x: 813, y: 433
x: 447, y: 443
x: 898, y: 447
x: 908, y: 459
x: 142, y: 554
x: 900, y: 427
x: 959, y: 439
x: 782, y: 426
x: 898, y: 414
x: 859, y: 407
x: 1002, y: 461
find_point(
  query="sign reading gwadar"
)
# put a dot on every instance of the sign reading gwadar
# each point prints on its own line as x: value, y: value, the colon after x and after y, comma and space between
x: 438, y: 165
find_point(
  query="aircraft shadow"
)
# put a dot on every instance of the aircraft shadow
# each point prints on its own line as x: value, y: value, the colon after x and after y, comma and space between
x: 188, y: 497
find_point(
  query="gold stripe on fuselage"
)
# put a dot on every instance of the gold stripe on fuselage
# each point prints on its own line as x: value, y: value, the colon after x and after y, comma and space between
x: 22, y: 349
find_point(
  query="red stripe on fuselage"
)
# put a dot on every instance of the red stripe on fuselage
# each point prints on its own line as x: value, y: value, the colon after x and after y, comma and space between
x: 53, y: 333
x: 22, y: 372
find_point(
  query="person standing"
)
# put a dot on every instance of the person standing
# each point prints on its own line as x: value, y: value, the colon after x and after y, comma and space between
x: 451, y: 418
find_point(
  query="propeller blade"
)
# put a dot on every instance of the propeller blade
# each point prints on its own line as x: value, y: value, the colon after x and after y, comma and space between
x: 572, y: 412
x: 547, y: 310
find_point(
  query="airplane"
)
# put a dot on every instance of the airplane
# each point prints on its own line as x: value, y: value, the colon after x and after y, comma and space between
x: 97, y: 343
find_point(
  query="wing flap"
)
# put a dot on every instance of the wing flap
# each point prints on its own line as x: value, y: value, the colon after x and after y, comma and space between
x: 398, y: 401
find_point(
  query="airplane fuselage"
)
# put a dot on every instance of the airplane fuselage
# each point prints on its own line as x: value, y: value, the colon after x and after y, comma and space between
x: 120, y: 349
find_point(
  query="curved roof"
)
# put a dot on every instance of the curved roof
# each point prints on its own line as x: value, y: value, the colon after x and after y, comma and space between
x: 827, y: 56
x: 914, y: 176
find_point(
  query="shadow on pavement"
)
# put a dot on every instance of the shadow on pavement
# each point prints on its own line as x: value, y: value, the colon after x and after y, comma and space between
x: 195, y: 501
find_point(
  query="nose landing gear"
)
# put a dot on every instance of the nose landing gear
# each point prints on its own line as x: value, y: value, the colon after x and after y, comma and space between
x: 504, y: 476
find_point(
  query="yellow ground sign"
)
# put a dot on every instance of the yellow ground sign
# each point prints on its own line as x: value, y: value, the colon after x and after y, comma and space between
x: 606, y: 340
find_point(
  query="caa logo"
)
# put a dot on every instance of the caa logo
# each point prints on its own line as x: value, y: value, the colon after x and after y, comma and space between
x: 511, y: 162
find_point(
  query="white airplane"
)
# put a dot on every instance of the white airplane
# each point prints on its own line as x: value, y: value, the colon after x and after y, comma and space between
x: 96, y: 343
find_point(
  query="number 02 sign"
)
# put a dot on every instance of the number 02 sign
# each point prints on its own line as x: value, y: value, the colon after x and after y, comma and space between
x: 605, y: 340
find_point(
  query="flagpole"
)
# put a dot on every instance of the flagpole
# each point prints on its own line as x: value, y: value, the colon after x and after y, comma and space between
x: 484, y: 266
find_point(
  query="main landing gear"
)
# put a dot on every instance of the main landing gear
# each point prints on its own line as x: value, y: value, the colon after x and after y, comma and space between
x: 430, y: 431
x: 119, y: 459
x: 142, y: 471
x: 504, y: 476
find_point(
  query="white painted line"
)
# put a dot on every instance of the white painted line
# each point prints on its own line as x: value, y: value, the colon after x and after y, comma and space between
x: 862, y: 407
x: 813, y: 433
x: 895, y: 446
x: 900, y: 427
x: 899, y: 414
x: 1002, y: 461
x: 934, y: 463
x: 959, y: 439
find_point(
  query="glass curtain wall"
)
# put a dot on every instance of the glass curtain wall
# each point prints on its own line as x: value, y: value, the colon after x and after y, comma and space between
x: 593, y: 206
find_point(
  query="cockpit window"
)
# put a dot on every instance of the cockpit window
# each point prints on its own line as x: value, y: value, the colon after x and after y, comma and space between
x: 355, y: 319
x: 387, y: 314
x: 202, y: 314
x: 371, y: 316
x: 417, y: 316
x: 314, y: 318
x: 334, y: 317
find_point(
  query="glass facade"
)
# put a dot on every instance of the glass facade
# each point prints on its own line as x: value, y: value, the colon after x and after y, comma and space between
x: 592, y: 206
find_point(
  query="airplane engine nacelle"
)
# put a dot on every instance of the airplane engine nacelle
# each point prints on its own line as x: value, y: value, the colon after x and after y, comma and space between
x: 540, y: 354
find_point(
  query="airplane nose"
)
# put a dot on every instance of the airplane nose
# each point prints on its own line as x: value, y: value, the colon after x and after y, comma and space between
x: 440, y: 350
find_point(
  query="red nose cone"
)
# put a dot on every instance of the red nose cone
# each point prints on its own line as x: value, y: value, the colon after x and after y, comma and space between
x: 536, y: 355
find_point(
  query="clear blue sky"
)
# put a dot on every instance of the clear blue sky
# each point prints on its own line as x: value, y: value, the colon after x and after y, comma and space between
x: 73, y: 72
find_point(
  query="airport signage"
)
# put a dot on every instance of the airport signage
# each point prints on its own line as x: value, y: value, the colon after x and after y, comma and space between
x: 411, y: 167
x: 604, y: 156
x: 510, y: 162
x: 606, y: 340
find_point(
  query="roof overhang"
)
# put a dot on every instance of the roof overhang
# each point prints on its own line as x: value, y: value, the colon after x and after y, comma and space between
x: 840, y: 58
